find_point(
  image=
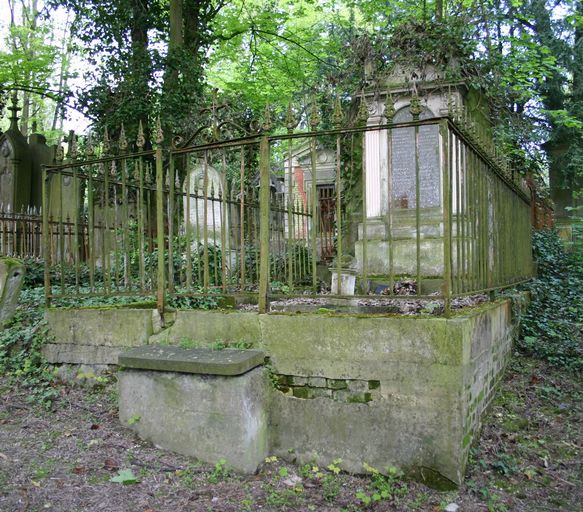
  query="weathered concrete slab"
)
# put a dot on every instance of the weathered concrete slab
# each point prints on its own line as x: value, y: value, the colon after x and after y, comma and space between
x: 57, y: 353
x: 198, y: 360
x: 121, y: 327
x: 211, y: 326
x: 208, y: 417
x: 11, y: 279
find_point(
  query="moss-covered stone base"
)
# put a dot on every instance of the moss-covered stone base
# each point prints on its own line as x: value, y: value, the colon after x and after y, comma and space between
x: 386, y: 390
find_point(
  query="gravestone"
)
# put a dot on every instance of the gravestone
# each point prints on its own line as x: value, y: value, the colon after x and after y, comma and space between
x: 15, y: 170
x: 195, y: 211
x: 40, y: 155
x: 11, y: 279
x: 403, y: 163
x: 64, y: 196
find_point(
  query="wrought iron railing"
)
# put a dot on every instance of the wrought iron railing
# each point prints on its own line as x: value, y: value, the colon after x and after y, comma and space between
x: 269, y: 214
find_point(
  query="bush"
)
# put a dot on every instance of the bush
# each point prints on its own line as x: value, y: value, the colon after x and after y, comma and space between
x: 21, y: 341
x: 552, y: 328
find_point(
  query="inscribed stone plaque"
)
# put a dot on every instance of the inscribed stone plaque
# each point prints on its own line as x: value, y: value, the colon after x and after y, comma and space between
x: 403, y: 163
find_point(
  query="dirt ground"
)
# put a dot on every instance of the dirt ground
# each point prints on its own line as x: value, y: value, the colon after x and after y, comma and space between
x: 64, y: 458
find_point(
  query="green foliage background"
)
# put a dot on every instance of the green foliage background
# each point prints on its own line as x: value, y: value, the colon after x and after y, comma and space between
x: 552, y: 328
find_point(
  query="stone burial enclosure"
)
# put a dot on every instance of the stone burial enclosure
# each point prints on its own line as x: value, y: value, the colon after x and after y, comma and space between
x: 386, y: 390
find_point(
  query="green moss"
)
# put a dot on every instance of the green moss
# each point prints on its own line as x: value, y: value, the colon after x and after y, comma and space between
x: 336, y: 384
x: 11, y: 262
x: 302, y: 392
x: 471, y: 311
x: 515, y: 424
x: 431, y: 478
x: 227, y: 302
x: 374, y: 384
x: 359, y: 399
x: 285, y: 380
x: 130, y: 305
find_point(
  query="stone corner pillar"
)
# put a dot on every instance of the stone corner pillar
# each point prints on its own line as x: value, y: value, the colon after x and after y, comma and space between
x: 376, y: 165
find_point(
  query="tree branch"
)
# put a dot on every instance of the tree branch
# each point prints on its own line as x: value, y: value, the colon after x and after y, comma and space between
x: 291, y: 41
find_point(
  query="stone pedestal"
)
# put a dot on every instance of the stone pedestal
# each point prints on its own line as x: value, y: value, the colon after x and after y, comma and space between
x: 347, y: 280
x: 211, y: 404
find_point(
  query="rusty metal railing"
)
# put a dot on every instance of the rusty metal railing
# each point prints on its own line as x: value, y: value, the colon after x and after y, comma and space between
x: 420, y: 205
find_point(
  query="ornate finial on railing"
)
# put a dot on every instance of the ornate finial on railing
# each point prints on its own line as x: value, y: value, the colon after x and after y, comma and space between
x: 148, y: 175
x: 177, y: 141
x: 338, y: 114
x: 415, y: 107
x: 113, y: 171
x: 314, y: 115
x: 89, y: 148
x: 140, y: 139
x: 158, y: 134
x: 72, y: 143
x: 266, y: 126
x: 60, y: 153
x: 123, y: 141
x: 389, y: 112
x: 362, y: 114
x: 106, y: 142
x: 290, y: 118
x: 177, y: 182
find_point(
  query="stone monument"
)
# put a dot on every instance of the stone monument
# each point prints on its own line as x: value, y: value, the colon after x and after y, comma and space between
x: 40, y: 154
x: 298, y: 187
x: 210, y: 184
x: 391, y: 186
x: 15, y: 166
x: 64, y: 191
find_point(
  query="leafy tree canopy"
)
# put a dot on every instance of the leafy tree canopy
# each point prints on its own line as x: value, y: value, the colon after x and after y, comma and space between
x: 162, y: 57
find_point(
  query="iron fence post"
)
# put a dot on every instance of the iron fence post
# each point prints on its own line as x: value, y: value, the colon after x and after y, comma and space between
x: 160, y: 296
x: 263, y: 222
x: 46, y: 238
x: 447, y: 214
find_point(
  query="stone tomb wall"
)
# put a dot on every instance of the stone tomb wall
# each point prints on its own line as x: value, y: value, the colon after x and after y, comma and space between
x: 394, y: 390
x: 400, y: 197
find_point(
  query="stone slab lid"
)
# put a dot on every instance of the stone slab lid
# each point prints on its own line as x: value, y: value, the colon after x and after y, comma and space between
x: 196, y: 360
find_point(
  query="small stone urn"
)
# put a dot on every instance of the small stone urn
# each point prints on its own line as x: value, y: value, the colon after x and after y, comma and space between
x: 343, y: 282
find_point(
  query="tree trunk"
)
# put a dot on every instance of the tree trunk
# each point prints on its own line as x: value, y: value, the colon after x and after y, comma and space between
x: 438, y: 9
x: 63, y: 74
x: 141, y: 65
